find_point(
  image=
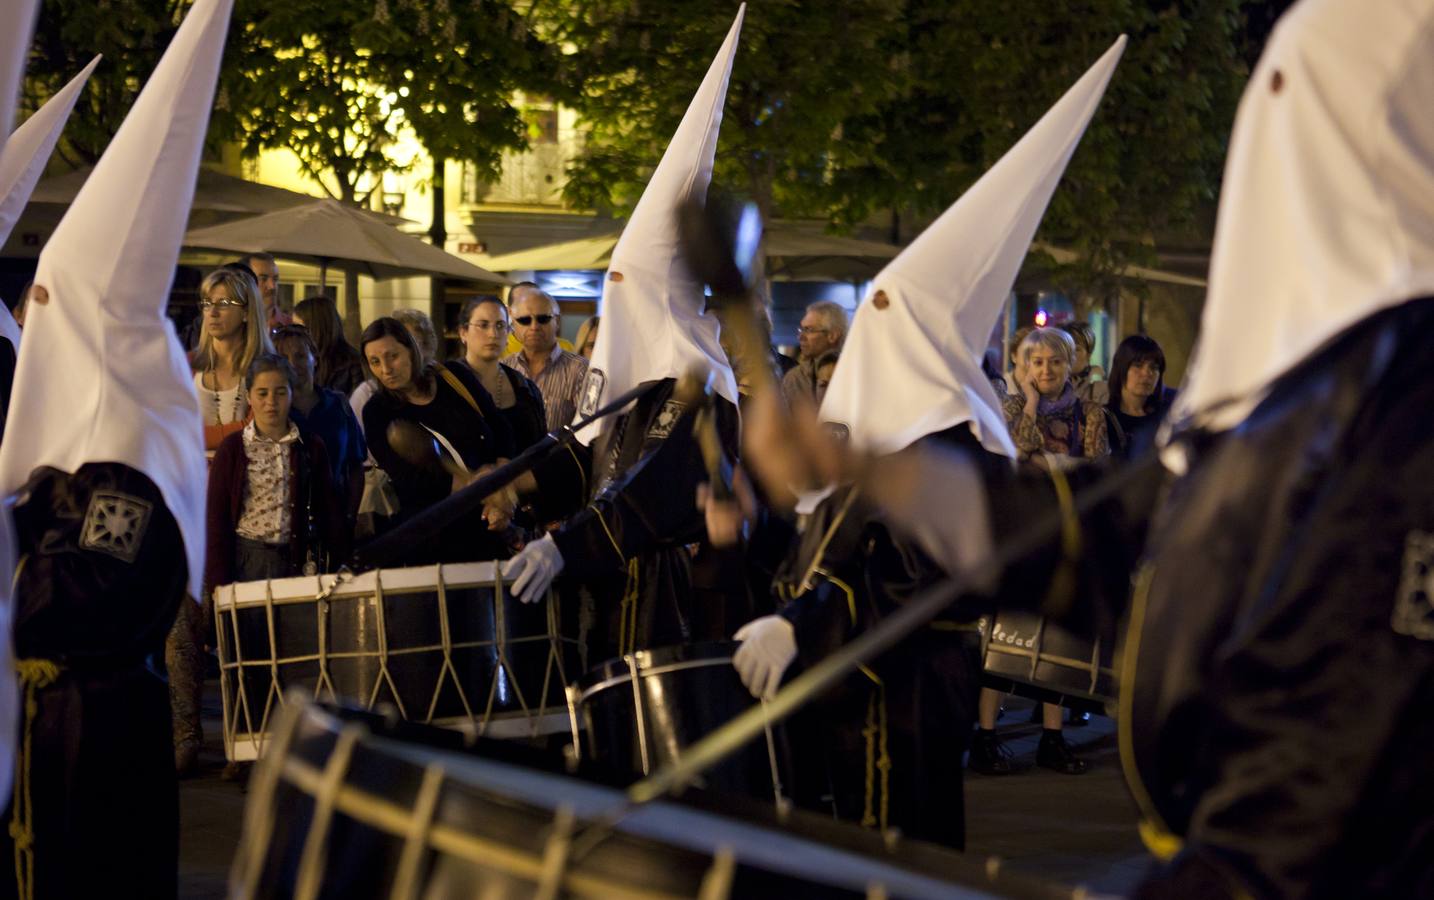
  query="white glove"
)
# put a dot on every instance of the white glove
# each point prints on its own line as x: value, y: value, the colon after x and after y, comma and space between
x: 769, y: 645
x: 534, y: 569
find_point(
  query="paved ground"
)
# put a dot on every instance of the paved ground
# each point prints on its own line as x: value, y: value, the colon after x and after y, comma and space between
x: 1070, y: 829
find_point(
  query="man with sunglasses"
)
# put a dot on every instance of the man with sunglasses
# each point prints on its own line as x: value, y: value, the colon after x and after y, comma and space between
x: 558, y: 374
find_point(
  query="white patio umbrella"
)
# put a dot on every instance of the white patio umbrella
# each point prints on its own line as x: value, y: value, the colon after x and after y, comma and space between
x: 328, y: 232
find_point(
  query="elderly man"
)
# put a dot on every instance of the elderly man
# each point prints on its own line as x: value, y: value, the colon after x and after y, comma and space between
x: 557, y: 373
x: 267, y: 271
x: 822, y: 331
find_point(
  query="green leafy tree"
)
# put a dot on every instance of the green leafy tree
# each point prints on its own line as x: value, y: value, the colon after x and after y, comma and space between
x: 336, y: 82
x: 132, y: 34
x: 800, y: 70
x: 866, y: 112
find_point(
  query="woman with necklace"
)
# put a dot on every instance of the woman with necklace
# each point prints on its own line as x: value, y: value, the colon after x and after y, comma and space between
x: 234, y: 333
x: 483, y: 330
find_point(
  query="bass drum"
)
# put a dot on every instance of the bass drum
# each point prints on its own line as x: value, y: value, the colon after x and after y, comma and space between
x: 640, y: 712
x: 1030, y: 655
x: 340, y: 807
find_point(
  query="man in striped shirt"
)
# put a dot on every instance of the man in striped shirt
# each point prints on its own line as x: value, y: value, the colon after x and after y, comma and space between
x: 558, y: 374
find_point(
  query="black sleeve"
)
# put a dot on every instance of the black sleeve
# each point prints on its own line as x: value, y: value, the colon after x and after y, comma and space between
x: 1088, y: 590
x: 653, y: 503
x: 563, y: 486
x: 416, y: 486
x: 79, y: 597
x: 497, y: 423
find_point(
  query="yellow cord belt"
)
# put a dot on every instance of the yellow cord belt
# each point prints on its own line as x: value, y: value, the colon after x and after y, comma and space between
x: 35, y: 674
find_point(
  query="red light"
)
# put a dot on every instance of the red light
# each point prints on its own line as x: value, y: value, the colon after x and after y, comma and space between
x: 1042, y: 317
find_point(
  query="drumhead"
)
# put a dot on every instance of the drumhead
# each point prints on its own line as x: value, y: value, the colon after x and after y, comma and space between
x: 306, y: 588
x: 657, y: 661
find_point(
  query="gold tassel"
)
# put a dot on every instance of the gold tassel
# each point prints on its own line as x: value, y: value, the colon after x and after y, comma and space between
x: 35, y: 675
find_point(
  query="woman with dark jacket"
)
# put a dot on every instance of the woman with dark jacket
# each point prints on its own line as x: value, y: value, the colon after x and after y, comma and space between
x: 447, y: 405
x: 272, y: 511
x: 1138, y: 395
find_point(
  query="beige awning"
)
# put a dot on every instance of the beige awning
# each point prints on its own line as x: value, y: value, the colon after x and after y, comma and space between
x: 329, y: 233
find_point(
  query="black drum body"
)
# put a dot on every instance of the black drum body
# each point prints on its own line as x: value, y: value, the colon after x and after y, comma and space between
x: 642, y: 711
x: 445, y: 645
x: 336, y: 810
x: 1036, y: 657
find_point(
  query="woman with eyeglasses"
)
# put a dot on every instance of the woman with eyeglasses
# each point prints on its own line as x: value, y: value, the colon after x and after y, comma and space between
x: 483, y: 330
x: 450, y: 407
x: 234, y: 332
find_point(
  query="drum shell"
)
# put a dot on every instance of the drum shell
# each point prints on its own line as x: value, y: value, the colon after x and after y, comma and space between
x: 1038, y: 657
x: 685, y: 693
x: 377, y: 646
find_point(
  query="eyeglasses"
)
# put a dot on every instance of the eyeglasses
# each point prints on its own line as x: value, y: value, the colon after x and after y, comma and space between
x: 811, y: 329
x: 207, y: 305
x: 525, y: 321
x: 495, y: 327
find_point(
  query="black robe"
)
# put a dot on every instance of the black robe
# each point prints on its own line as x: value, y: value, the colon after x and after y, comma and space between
x: 1275, y: 704
x: 633, y: 541
x: 892, y: 736
x: 101, y: 576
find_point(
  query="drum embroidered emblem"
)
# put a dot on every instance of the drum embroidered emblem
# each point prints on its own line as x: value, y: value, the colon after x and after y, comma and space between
x: 1414, y: 603
x: 592, y: 391
x: 666, y: 420
x: 115, y: 524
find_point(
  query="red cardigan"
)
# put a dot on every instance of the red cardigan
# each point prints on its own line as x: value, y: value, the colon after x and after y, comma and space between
x: 227, y: 474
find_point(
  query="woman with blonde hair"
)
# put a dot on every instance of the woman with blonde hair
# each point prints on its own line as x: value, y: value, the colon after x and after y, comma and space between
x: 587, y: 336
x: 234, y: 332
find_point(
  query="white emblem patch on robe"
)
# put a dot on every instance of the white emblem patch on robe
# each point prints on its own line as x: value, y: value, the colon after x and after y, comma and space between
x: 666, y: 420
x: 592, y: 392
x: 1414, y: 604
x: 115, y: 524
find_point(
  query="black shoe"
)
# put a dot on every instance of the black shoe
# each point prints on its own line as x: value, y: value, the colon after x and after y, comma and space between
x: 989, y: 755
x: 1056, y: 754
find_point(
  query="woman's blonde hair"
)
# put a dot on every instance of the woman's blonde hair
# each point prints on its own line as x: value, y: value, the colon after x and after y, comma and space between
x: 1052, y: 339
x: 242, y: 285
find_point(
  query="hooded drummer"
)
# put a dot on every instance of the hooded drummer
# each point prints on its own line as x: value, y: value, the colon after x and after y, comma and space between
x: 1278, y: 677
x: 103, y: 463
x: 634, y: 482
x: 894, y: 736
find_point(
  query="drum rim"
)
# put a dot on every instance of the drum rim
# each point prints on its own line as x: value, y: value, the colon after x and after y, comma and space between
x: 583, y: 693
x: 306, y: 588
x: 656, y: 661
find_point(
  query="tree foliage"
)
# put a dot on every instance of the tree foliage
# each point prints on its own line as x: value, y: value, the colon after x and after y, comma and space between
x: 132, y: 35
x: 801, y: 68
x: 336, y: 82
x: 857, y: 111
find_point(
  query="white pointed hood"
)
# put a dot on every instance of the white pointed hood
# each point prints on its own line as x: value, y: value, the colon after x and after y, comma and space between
x: 18, y: 18
x: 1327, y: 210
x: 26, y: 153
x: 911, y: 365
x: 22, y: 162
x: 103, y: 377
x: 653, y: 324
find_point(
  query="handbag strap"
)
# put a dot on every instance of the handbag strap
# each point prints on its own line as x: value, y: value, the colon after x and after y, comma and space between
x: 457, y: 385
